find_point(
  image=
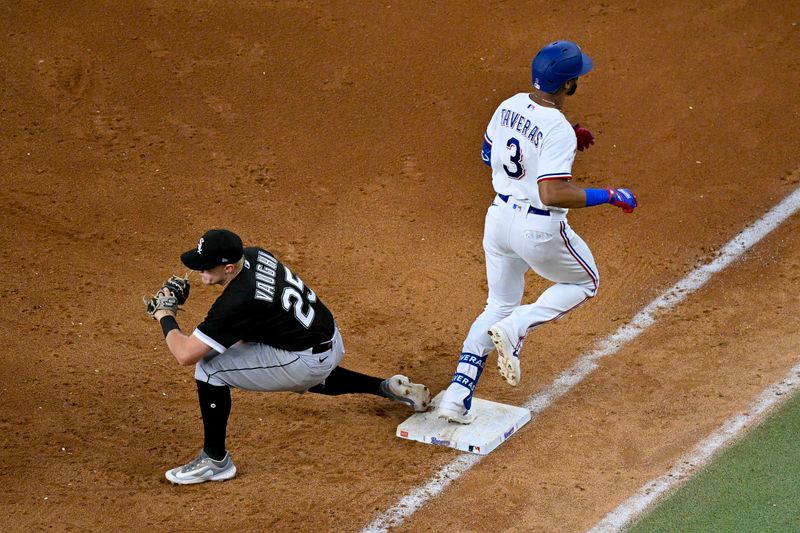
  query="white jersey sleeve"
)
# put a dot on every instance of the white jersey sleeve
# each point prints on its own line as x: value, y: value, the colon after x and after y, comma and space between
x: 557, y: 153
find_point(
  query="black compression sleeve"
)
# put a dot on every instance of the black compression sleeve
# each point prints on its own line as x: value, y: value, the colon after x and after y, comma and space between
x: 344, y: 381
x: 215, y: 407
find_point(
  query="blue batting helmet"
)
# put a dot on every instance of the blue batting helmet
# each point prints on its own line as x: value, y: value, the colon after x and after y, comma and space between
x: 557, y: 63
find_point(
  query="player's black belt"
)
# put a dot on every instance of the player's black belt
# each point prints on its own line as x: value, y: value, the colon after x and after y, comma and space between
x: 322, y: 347
x: 531, y: 209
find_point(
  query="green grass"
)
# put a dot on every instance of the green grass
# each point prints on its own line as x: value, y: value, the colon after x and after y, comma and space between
x: 754, y: 486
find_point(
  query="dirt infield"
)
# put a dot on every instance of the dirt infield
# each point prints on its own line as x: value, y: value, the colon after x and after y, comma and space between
x: 345, y: 137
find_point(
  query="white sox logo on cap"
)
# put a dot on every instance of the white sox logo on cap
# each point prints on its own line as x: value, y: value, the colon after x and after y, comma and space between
x: 215, y: 247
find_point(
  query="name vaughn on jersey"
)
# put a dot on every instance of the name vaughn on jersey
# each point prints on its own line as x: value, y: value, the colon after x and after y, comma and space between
x: 266, y: 268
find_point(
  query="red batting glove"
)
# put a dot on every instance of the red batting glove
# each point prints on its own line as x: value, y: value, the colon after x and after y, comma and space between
x: 584, y: 136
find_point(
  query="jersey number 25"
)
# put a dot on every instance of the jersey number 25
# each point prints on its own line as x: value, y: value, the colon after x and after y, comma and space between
x: 295, y: 296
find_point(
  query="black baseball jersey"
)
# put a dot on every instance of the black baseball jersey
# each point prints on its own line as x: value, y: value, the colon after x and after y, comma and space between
x: 266, y: 303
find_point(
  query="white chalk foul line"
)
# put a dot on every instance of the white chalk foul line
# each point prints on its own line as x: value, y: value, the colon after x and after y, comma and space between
x: 587, y: 363
x: 651, y: 491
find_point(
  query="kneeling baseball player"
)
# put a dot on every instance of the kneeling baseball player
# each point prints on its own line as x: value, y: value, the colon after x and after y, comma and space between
x: 267, y: 331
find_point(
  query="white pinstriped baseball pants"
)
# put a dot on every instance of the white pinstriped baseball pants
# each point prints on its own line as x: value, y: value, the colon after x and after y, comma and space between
x: 515, y: 241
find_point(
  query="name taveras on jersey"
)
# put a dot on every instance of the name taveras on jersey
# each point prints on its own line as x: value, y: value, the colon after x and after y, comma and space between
x: 266, y: 267
x: 516, y: 121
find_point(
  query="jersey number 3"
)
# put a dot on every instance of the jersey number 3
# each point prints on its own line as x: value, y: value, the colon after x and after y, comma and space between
x: 517, y: 171
x: 296, y: 296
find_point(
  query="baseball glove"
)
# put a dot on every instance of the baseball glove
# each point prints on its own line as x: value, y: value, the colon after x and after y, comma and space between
x: 172, y: 294
x: 179, y: 288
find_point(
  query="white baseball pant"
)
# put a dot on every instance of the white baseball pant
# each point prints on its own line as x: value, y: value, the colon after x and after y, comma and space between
x: 518, y: 238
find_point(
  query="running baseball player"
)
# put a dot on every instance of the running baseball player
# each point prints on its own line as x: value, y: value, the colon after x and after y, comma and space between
x: 530, y: 147
x: 267, y: 331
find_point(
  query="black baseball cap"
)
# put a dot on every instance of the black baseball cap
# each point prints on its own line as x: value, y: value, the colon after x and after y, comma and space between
x: 216, y: 247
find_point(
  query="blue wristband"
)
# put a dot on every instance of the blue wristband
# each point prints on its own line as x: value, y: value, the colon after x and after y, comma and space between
x: 596, y: 197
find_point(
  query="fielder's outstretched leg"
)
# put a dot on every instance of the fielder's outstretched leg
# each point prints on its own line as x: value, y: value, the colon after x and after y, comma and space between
x: 397, y: 388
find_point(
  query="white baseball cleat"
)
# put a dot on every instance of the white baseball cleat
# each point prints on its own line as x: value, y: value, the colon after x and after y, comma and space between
x: 400, y: 389
x: 455, y: 414
x: 203, y: 468
x: 507, y: 355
